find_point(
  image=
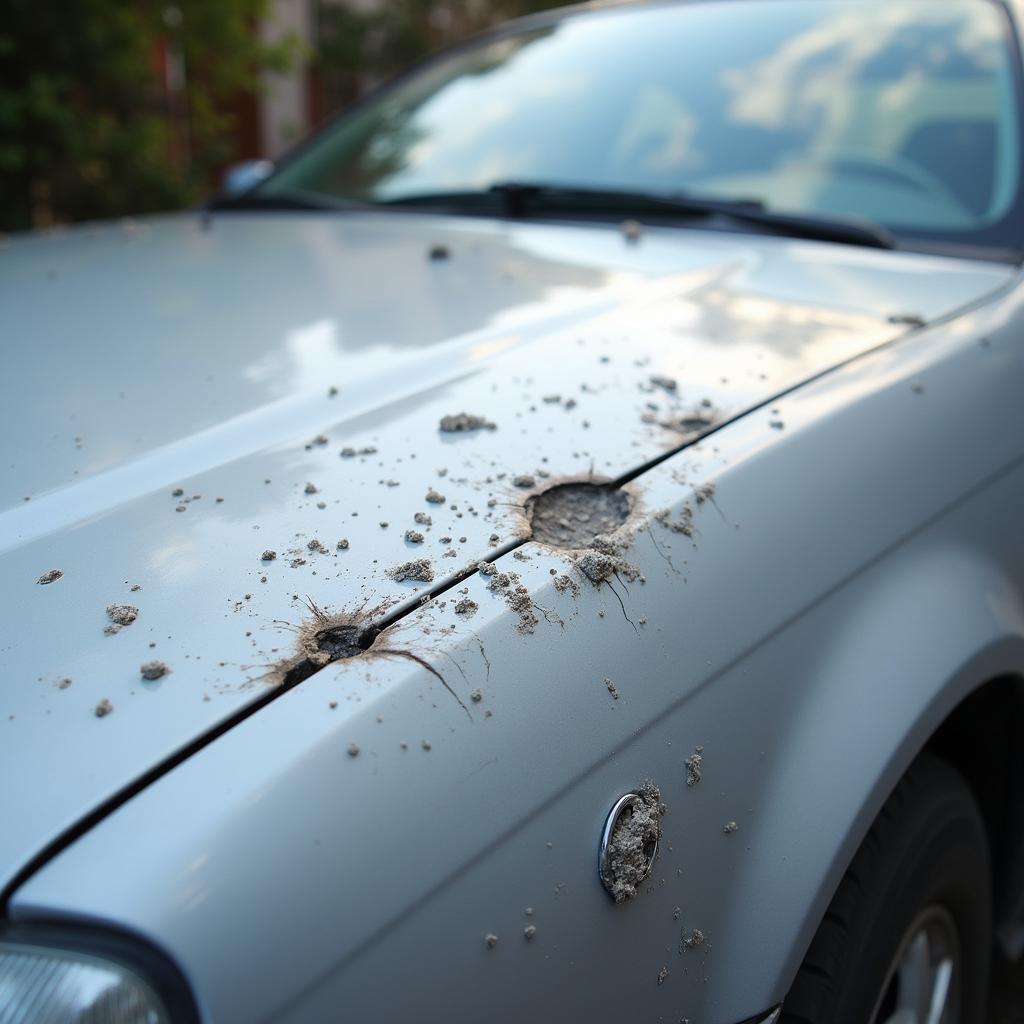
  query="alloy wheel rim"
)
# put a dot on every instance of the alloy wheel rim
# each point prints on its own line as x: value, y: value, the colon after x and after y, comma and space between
x: 923, y: 983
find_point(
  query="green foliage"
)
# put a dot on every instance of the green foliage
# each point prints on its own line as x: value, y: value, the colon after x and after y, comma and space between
x: 88, y: 128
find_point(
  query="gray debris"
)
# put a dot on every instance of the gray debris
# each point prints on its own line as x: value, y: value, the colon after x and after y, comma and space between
x: 50, y: 576
x: 490, y: 940
x: 695, y: 767
x: 153, y: 669
x: 122, y: 614
x: 418, y: 569
x: 612, y: 688
x: 467, y: 607
x: 414, y: 536
x: 434, y: 497
x: 632, y: 231
x: 464, y: 421
x: 683, y: 525
x: 524, y: 480
x: 103, y: 709
x: 311, y: 488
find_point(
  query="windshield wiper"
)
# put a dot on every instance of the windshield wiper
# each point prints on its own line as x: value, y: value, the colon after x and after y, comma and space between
x: 283, y: 201
x: 520, y: 199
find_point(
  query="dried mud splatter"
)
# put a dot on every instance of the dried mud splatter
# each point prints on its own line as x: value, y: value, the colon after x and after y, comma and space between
x: 633, y: 840
x: 464, y: 421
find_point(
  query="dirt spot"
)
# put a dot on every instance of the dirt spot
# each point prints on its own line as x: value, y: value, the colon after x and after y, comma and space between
x: 729, y: 827
x: 122, y: 614
x: 420, y: 569
x: 476, y: 695
x: 663, y: 975
x: 414, y: 536
x: 50, y: 576
x: 632, y: 231
x: 563, y: 583
x: 706, y: 492
x: 435, y: 497
x: 311, y: 489
x: 529, y: 932
x: 423, y: 519
x: 909, y: 319
x: 694, y: 939
x: 572, y: 515
x: 604, y: 562
x: 103, y: 709
x: 683, y: 525
x: 438, y: 252
x: 517, y: 596
x: 490, y: 940
x: 695, y: 767
x: 153, y: 669
x: 464, y: 421
x: 524, y: 480
x: 612, y: 688
x: 317, y: 547
x: 467, y: 607
x: 353, y: 749
x: 632, y: 844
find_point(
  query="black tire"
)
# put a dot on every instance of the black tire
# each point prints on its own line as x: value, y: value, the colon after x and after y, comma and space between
x: 926, y: 848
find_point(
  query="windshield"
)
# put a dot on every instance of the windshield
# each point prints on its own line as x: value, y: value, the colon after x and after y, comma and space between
x: 902, y: 112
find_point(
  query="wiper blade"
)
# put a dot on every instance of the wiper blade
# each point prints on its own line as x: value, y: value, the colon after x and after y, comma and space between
x: 283, y: 201
x: 520, y: 199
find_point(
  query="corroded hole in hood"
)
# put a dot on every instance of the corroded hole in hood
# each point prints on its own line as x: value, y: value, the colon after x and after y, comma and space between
x: 572, y: 515
x: 324, y: 639
x: 337, y: 642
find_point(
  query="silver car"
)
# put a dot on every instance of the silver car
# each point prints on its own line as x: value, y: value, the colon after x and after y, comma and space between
x: 551, y: 550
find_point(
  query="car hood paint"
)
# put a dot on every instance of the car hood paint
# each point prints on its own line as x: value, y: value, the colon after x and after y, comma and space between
x: 180, y: 399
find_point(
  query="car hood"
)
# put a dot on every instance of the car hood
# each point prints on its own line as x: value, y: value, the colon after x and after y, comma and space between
x: 184, y: 395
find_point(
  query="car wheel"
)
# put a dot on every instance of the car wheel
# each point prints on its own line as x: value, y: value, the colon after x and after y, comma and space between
x: 907, y: 937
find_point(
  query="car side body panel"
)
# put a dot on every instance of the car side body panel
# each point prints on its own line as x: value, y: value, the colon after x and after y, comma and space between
x: 856, y: 571
x: 298, y: 368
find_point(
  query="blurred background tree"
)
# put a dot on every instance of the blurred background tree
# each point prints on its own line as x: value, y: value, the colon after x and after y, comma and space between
x: 109, y: 108
x: 117, y: 107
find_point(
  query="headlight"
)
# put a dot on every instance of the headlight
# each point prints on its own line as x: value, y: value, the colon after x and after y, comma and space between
x: 89, y: 980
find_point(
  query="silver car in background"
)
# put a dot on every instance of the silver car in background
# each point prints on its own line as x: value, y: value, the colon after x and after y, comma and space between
x: 551, y: 550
